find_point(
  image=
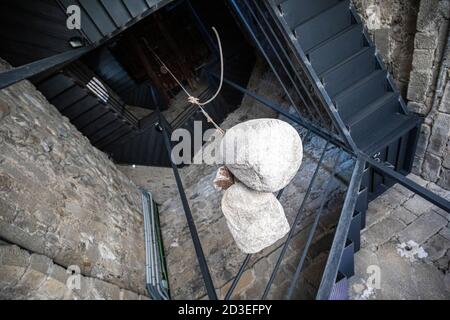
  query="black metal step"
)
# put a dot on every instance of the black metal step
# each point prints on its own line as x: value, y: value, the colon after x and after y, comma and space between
x: 68, y: 98
x: 372, y: 138
x: 324, y: 26
x: 296, y: 12
x: 361, y: 94
x: 82, y: 113
x: 352, y: 70
x: 55, y: 85
x: 386, y: 105
x: 377, y: 113
x: 337, y: 49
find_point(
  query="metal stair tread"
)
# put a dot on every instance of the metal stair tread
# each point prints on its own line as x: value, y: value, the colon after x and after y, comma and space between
x: 287, y: 9
x: 375, y: 137
x: 337, y: 35
x: 320, y: 13
x: 322, y: 27
x: 359, y: 83
x: 337, y: 49
x: 368, y: 110
x: 346, y: 60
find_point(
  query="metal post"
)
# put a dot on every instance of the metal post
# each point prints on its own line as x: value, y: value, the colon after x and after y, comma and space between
x: 190, y: 220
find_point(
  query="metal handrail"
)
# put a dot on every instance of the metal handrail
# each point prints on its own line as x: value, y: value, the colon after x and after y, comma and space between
x: 340, y: 237
x: 209, y: 285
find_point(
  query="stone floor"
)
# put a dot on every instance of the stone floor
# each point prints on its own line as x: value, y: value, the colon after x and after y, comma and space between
x: 407, y: 243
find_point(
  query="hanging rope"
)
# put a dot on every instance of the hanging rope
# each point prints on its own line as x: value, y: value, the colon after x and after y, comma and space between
x: 191, y: 98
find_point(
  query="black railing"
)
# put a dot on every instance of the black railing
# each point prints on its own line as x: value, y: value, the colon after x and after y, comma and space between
x: 165, y: 126
x: 340, y: 238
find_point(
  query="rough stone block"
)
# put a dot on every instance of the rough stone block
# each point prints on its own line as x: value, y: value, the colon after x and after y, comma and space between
x: 403, y: 190
x: 418, y: 205
x: 439, y: 190
x: 446, y: 156
x: 443, y: 263
x: 4, y: 110
x: 440, y: 134
x: 426, y: 40
x: 105, y: 291
x: 423, y: 60
x: 40, y: 263
x: 445, y: 232
x: 30, y: 283
x: 444, y: 7
x: 447, y: 282
x: 255, y: 219
x: 382, y: 42
x: 422, y: 143
x: 418, y: 86
x: 14, y: 256
x: 417, y: 107
x: 444, y: 180
x: 400, y: 279
x: 382, y: 231
x: 444, y: 105
x: 423, y: 228
x: 404, y: 215
x: 51, y: 289
x: 442, y: 212
x: 376, y: 212
x: 128, y: 295
x: 428, y: 15
x: 431, y: 167
x: 263, y: 154
x: 436, y: 247
x: 393, y: 198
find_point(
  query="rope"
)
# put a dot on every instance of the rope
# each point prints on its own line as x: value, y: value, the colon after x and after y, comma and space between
x: 191, y: 98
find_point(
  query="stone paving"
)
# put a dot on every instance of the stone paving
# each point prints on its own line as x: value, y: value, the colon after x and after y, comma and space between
x: 407, y: 238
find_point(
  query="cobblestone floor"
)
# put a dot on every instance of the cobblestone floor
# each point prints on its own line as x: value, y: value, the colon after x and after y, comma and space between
x: 407, y: 239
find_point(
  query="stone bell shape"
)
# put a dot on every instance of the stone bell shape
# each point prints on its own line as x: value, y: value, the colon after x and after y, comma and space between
x: 255, y: 219
x: 264, y: 154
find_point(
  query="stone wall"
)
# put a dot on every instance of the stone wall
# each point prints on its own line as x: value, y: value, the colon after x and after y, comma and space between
x: 429, y: 91
x: 63, y: 199
x: 36, y: 277
x: 392, y: 24
x: 412, y: 39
